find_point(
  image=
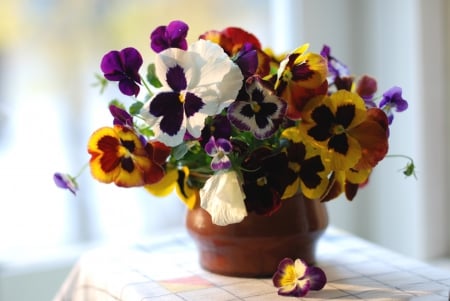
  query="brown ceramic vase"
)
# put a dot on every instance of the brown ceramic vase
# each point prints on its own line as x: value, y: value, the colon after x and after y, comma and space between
x: 254, y: 247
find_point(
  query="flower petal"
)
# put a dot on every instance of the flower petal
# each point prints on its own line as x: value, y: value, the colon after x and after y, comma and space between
x: 222, y: 196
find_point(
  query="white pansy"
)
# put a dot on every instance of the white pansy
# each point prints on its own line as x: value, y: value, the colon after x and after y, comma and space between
x: 222, y: 196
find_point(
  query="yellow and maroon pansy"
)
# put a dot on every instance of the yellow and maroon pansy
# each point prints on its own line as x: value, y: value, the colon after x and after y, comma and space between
x: 300, y: 77
x: 348, y: 181
x: 175, y: 178
x: 306, y: 167
x: 348, y: 135
x: 119, y: 156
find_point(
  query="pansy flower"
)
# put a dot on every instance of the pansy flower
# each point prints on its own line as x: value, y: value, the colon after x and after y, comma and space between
x: 392, y: 99
x: 243, y: 47
x: 336, y: 69
x: 219, y: 149
x: 301, y: 75
x: 118, y: 155
x: 265, y: 180
x: 218, y: 126
x: 197, y: 83
x: 121, y: 117
x: 123, y: 66
x: 172, y: 35
x: 342, y: 127
x: 261, y: 113
x: 366, y: 88
x: 346, y: 181
x: 222, y: 196
x: 175, y: 179
x: 296, y: 278
x: 306, y: 168
x: 66, y: 181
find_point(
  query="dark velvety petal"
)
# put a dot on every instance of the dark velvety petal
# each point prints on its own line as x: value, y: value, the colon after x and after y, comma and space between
x: 192, y: 104
x: 132, y: 61
x: 309, y: 171
x: 176, y: 33
x: 111, y: 64
x: 127, y: 164
x: 176, y: 78
x: 128, y: 87
x: 301, y: 72
x: 320, y: 133
x: 168, y: 106
x: 339, y: 144
x: 317, y: 277
x: 345, y: 115
x: 121, y: 116
x: 158, y: 41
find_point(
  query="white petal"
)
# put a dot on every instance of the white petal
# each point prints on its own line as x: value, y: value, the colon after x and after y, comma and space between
x: 223, y: 198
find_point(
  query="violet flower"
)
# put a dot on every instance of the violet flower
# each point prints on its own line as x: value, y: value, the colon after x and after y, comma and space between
x: 121, y: 116
x: 336, y: 69
x: 392, y: 99
x: 65, y: 181
x: 170, y: 36
x: 123, y: 66
x: 218, y: 149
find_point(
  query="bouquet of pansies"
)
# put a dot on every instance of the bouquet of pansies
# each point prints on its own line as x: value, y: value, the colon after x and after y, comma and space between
x: 237, y: 128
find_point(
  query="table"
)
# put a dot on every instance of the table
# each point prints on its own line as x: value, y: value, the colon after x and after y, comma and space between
x: 166, y: 268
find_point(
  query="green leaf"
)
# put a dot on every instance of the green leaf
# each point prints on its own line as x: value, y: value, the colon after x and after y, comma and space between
x: 136, y: 107
x: 179, y: 151
x: 151, y: 76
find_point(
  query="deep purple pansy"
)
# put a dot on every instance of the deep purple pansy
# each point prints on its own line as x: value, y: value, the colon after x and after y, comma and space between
x: 123, y: 66
x: 121, y: 116
x: 170, y: 36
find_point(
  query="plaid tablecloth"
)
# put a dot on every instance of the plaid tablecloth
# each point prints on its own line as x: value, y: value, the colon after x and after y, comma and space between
x: 166, y: 268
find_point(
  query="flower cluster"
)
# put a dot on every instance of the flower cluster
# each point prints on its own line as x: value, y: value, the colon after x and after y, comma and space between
x: 234, y: 128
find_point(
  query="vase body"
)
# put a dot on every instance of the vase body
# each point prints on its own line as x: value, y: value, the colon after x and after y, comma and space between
x: 255, y: 246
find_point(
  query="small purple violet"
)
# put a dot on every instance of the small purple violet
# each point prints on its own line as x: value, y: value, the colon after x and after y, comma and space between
x: 66, y: 181
x: 123, y: 66
x: 218, y: 149
x: 336, y: 69
x: 170, y: 36
x: 392, y: 99
x: 296, y: 278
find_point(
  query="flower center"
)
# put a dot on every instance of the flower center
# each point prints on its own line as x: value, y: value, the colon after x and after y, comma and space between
x: 262, y: 181
x: 338, y: 129
x: 255, y: 106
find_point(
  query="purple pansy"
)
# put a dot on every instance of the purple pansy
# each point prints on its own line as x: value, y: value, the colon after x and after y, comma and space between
x: 218, y: 149
x: 65, y: 181
x: 260, y: 114
x: 219, y: 126
x: 123, y: 66
x: 121, y: 117
x: 392, y: 99
x: 172, y: 35
x: 336, y: 69
x: 296, y: 278
x: 247, y: 59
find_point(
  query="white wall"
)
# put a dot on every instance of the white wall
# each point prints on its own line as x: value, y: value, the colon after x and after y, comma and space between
x: 400, y: 42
